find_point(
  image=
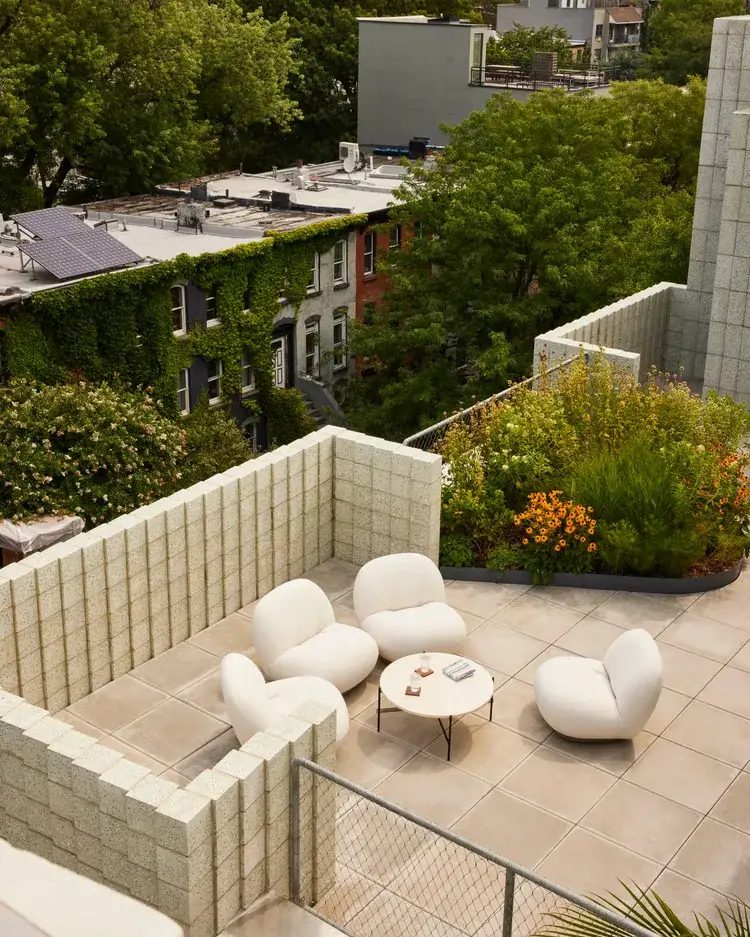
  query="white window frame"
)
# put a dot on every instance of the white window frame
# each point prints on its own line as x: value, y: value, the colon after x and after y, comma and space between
x: 247, y: 387
x: 183, y: 388
x: 313, y: 328
x: 371, y: 246
x: 181, y: 306
x: 340, y: 360
x: 279, y: 345
x: 314, y: 285
x: 211, y: 320
x: 217, y: 378
x: 340, y: 264
x: 418, y: 229
x: 252, y: 435
x: 394, y: 238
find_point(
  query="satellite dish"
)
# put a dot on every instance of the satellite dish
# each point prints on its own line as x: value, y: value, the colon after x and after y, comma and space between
x: 350, y: 164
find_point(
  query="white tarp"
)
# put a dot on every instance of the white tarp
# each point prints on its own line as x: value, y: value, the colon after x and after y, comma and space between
x: 36, y: 535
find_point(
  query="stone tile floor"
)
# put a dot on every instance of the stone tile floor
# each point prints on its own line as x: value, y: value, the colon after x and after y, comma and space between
x: 672, y: 808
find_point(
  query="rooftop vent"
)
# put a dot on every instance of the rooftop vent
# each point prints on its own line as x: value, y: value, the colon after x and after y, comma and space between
x: 282, y: 201
x: 224, y: 202
x: 199, y: 192
x: 191, y: 214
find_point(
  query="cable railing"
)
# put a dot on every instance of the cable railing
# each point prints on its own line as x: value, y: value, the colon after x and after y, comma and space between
x: 515, y: 76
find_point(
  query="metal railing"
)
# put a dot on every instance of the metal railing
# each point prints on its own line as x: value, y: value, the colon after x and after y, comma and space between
x: 513, y: 76
x: 427, y: 439
x: 382, y: 870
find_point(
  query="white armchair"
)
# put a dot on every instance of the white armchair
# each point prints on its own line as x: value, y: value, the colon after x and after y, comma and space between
x: 253, y: 705
x: 295, y: 634
x: 400, y: 601
x: 613, y: 698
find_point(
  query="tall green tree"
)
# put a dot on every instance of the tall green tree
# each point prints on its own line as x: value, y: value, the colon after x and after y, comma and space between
x: 680, y: 37
x: 130, y: 94
x: 514, y: 46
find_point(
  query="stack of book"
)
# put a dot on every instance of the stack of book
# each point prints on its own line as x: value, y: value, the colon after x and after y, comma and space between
x: 458, y: 670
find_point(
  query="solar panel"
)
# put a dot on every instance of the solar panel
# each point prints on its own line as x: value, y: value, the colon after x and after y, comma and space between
x: 80, y: 254
x: 49, y: 222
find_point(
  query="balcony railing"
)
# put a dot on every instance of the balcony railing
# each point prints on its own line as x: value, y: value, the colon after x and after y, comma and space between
x: 514, y: 76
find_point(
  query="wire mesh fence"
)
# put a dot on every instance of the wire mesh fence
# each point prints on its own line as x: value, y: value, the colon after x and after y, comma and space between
x: 429, y: 439
x: 382, y: 871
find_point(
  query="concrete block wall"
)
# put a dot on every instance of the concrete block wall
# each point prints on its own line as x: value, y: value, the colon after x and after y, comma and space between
x: 199, y: 854
x: 632, y: 332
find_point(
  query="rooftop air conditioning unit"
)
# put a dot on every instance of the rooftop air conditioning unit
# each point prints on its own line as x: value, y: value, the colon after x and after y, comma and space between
x: 349, y: 153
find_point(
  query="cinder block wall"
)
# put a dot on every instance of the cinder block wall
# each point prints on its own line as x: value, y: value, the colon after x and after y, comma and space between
x: 199, y: 854
x: 632, y: 332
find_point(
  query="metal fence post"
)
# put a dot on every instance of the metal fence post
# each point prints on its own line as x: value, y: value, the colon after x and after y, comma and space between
x: 295, y: 831
x: 508, y: 896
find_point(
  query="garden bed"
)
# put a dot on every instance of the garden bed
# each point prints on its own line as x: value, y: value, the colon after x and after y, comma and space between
x: 654, y: 584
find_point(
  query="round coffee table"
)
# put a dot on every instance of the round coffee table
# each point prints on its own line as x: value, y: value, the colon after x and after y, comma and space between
x: 441, y: 698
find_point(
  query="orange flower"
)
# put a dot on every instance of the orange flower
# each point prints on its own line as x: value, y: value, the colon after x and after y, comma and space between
x: 525, y: 541
x: 557, y: 548
x: 592, y: 548
x: 563, y: 543
x: 529, y: 530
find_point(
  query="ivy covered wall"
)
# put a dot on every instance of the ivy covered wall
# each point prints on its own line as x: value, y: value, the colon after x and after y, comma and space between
x: 121, y: 324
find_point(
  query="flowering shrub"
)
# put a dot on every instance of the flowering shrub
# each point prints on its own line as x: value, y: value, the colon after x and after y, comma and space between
x: 83, y: 449
x: 558, y: 535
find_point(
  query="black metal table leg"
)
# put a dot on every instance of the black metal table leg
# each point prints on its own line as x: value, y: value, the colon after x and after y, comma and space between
x: 379, y: 696
x: 450, y: 735
x: 492, y: 698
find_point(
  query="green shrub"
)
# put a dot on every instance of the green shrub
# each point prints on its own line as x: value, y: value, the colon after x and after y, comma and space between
x: 456, y: 550
x: 213, y: 443
x: 505, y: 556
x: 288, y: 418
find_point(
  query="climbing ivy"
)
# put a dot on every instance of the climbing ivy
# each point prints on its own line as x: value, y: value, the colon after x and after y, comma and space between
x: 119, y: 325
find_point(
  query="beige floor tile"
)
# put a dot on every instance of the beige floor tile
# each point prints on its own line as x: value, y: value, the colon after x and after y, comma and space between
x: 532, y: 906
x: 685, y: 672
x: 171, y: 775
x: 703, y: 636
x: 683, y: 601
x: 527, y: 674
x: 453, y: 885
x: 687, y: 898
x: 132, y: 754
x: 512, y: 828
x: 208, y: 755
x: 591, y: 637
x: 377, y: 843
x: 670, y: 705
x: 692, y: 779
x: 615, y: 757
x: 559, y: 783
x: 391, y: 916
x: 734, y: 806
x: 346, y: 600
x: 351, y: 892
x: 717, y: 856
x: 206, y: 695
x: 713, y: 732
x: 515, y: 708
x: 404, y: 727
x: 501, y: 647
x: 367, y: 757
x: 117, y: 703
x: 642, y: 821
x: 361, y: 696
x: 334, y: 578
x: 277, y: 917
x: 728, y: 605
x: 631, y: 610
x: 483, y: 599
x: 488, y: 751
x: 537, y: 617
x: 730, y: 690
x: 233, y: 633
x: 171, y: 732
x: 433, y: 789
x: 80, y: 724
x: 345, y: 615
x: 590, y: 865
x: 741, y: 660
x: 177, y: 668
x: 580, y: 600
x: 472, y: 622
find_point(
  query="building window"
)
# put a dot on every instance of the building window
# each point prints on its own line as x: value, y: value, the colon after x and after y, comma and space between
x: 369, y: 253
x: 314, y: 284
x: 312, y: 349
x: 395, y: 239
x: 278, y: 351
x: 212, y: 316
x: 179, y: 312
x: 419, y: 229
x: 598, y: 31
x: 339, y: 262
x: 248, y: 378
x: 183, y: 391
x: 215, y: 369
x: 251, y: 434
x: 340, y: 323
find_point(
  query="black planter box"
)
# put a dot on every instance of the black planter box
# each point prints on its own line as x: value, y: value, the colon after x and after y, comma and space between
x: 609, y: 581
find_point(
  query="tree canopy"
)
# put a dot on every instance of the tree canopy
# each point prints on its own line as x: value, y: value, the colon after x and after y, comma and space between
x: 536, y: 213
x: 130, y: 94
x: 514, y: 46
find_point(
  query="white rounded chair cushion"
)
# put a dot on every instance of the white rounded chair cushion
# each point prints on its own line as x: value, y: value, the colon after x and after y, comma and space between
x: 253, y: 705
x: 295, y: 634
x: 583, y: 698
x: 400, y: 601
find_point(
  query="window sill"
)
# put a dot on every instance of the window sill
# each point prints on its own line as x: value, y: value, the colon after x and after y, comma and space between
x: 341, y: 286
x: 248, y: 391
x: 215, y: 402
x: 212, y: 323
x: 369, y: 276
x: 311, y: 294
x: 179, y: 333
x: 340, y: 367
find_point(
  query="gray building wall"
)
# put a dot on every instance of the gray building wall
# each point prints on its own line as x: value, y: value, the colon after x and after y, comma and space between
x: 579, y: 24
x: 414, y: 76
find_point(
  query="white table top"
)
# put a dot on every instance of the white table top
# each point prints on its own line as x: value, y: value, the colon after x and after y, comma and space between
x: 440, y: 696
